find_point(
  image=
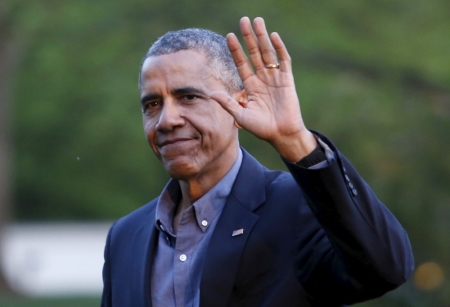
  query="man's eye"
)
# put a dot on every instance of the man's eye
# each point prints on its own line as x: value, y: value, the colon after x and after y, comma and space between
x: 190, y: 97
x: 150, y: 106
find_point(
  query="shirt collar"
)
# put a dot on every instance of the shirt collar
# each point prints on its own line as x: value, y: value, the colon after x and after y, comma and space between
x: 207, y: 208
x: 165, y: 208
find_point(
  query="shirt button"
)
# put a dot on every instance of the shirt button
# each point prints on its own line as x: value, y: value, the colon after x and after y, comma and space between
x: 205, y: 223
x: 183, y: 257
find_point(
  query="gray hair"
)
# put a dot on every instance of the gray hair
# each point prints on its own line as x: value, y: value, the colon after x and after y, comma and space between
x: 209, y: 43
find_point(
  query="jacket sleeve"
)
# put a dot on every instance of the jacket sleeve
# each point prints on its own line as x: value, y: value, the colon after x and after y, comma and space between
x: 366, y: 251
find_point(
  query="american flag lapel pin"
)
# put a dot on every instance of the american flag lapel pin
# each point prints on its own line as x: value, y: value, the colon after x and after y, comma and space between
x: 237, y: 232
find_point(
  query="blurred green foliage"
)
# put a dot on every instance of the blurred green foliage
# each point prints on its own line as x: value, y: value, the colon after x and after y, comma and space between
x: 372, y: 75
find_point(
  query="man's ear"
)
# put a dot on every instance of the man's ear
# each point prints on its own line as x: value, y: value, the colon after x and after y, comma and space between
x: 241, y: 98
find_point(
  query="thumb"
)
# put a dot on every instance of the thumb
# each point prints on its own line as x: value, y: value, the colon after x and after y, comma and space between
x: 227, y: 102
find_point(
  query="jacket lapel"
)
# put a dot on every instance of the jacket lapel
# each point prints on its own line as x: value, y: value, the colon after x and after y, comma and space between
x: 227, y: 242
x: 144, y: 246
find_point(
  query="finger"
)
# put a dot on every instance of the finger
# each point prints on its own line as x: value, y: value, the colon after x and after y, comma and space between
x: 283, y: 55
x: 265, y: 45
x: 251, y: 43
x: 240, y: 59
x: 228, y: 103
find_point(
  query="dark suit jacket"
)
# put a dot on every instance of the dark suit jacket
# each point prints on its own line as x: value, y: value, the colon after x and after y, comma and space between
x: 323, y: 239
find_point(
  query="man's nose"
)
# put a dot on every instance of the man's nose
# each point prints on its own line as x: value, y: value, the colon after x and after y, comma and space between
x: 170, y: 116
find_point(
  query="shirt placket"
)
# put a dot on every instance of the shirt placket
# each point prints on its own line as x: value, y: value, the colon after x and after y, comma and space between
x: 185, y: 242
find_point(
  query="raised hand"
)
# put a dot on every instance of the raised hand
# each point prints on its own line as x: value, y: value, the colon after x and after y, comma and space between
x: 272, y: 110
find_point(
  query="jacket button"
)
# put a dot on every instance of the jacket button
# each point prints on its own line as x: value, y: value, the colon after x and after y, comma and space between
x: 354, y: 192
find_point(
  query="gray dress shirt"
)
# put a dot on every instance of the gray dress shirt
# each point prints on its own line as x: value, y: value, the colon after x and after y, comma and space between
x: 178, y: 260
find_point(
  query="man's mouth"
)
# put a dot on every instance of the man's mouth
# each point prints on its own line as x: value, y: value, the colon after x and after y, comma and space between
x: 173, y: 141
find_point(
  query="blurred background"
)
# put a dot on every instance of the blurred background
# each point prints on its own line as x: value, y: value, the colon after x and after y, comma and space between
x: 374, y: 76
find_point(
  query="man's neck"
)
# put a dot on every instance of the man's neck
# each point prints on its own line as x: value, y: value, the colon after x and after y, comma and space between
x: 194, y: 188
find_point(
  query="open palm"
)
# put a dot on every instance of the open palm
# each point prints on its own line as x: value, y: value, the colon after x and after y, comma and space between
x: 272, y: 110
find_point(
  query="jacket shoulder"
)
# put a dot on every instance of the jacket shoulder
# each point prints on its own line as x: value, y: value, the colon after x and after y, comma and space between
x: 139, y: 217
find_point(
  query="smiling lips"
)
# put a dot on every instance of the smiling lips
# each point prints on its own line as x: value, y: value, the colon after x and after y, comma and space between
x: 172, y: 141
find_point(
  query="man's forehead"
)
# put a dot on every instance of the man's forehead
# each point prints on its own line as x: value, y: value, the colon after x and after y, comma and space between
x: 183, y: 59
x: 185, y: 68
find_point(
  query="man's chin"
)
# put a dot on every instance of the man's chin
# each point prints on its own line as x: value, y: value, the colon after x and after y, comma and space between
x: 180, y: 170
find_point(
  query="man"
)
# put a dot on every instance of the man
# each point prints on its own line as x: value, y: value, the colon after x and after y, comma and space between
x: 226, y: 231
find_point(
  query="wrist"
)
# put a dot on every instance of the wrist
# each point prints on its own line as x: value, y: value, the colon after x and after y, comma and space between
x: 296, y: 147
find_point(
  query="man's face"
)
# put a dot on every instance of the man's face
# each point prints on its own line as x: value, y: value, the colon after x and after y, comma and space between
x: 191, y: 134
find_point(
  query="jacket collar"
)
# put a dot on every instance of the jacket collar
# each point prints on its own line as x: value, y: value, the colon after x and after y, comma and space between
x: 249, y: 186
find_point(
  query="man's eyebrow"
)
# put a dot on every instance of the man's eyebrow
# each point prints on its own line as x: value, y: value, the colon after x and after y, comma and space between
x: 178, y: 91
x: 188, y: 90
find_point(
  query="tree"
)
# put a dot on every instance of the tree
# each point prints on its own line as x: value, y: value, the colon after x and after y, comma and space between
x: 8, y: 61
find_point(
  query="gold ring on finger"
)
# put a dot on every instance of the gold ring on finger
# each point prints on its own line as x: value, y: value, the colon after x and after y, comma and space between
x: 270, y: 66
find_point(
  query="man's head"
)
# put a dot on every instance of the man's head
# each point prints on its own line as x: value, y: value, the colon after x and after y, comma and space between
x: 212, y: 45
x: 192, y: 135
